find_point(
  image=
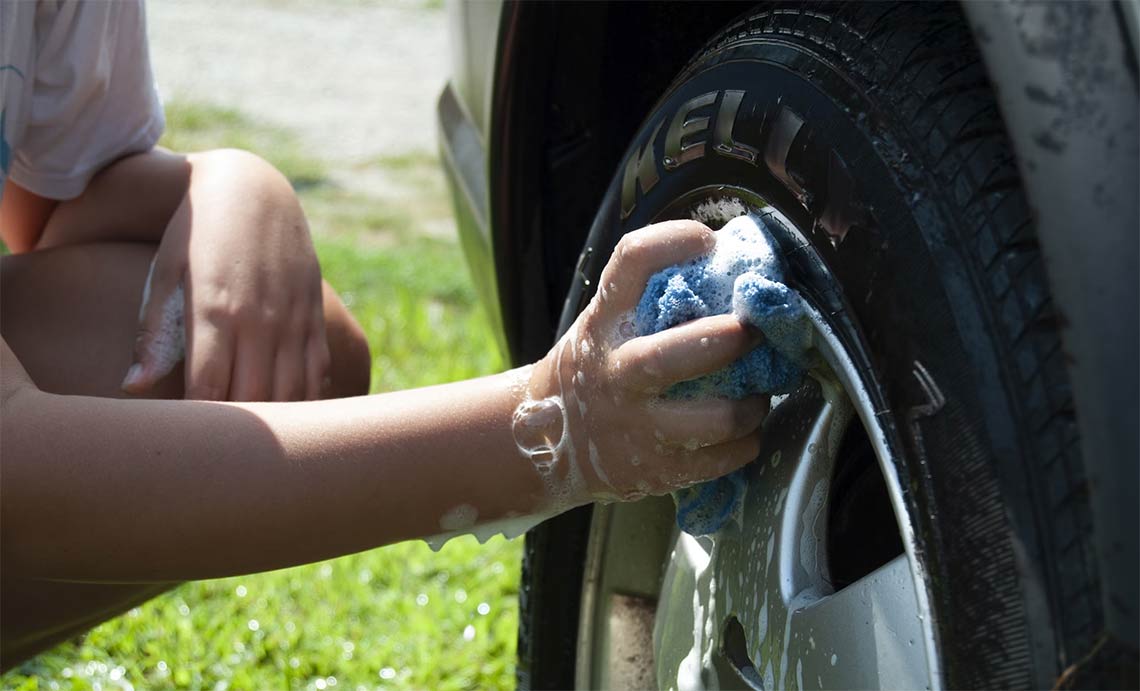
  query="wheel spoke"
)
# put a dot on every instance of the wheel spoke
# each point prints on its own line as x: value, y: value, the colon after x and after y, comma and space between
x: 753, y: 607
x: 682, y: 634
x: 868, y: 635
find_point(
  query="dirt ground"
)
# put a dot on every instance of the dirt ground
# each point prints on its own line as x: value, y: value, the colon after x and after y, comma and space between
x: 354, y: 79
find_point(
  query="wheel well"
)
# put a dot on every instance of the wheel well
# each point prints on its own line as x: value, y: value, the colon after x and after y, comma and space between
x: 572, y: 85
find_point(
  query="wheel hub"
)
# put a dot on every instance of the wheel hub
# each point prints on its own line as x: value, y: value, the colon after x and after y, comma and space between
x: 755, y: 606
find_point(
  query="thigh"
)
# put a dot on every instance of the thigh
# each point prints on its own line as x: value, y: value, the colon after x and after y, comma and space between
x: 37, y: 615
x: 70, y: 314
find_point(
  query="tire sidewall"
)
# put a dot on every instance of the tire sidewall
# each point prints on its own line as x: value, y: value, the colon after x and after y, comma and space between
x: 901, y: 296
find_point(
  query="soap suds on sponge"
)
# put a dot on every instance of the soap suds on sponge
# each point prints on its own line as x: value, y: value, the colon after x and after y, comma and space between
x: 744, y: 274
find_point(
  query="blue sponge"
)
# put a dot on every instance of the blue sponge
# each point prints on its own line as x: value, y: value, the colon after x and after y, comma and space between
x: 743, y: 274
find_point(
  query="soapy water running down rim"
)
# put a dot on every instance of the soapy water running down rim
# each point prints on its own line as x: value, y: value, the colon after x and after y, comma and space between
x: 752, y: 607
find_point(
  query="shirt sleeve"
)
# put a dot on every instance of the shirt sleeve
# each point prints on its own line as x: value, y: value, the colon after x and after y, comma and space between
x: 93, y: 96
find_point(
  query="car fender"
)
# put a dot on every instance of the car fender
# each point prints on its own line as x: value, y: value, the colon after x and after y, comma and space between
x: 1066, y: 82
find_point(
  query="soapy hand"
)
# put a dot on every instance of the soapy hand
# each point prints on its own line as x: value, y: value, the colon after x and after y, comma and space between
x: 594, y: 422
x: 236, y: 259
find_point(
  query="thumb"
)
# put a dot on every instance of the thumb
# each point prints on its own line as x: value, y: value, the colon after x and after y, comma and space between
x: 160, y: 342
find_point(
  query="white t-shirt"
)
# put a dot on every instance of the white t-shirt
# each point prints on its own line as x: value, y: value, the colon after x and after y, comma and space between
x: 76, y: 91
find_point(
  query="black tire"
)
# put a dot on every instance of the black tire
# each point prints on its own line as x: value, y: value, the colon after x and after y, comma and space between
x: 873, y: 127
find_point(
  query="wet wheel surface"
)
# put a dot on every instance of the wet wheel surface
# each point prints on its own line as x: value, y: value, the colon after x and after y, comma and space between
x: 915, y: 518
x: 778, y: 599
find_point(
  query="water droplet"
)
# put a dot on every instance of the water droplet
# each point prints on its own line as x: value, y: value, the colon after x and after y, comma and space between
x: 387, y: 673
x: 461, y: 596
x: 834, y: 659
x: 240, y: 591
x: 422, y: 599
x: 484, y: 609
x: 320, y: 684
x: 253, y: 625
x: 469, y: 633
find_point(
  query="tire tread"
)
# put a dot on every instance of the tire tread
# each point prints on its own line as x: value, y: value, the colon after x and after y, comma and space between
x: 939, y: 85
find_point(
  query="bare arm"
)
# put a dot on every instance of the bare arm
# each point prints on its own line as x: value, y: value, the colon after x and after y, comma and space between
x: 235, y: 264
x: 170, y: 490
x: 118, y: 490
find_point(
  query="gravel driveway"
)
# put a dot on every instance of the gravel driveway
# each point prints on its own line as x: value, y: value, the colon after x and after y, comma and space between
x: 353, y: 79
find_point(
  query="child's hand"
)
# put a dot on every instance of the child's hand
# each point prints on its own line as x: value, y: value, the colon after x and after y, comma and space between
x: 594, y: 422
x: 238, y: 248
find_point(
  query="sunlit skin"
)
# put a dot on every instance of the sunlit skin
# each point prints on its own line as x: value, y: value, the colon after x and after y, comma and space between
x: 99, y: 492
x: 230, y: 229
x: 71, y: 311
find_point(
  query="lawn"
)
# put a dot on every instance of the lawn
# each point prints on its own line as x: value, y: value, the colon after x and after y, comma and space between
x: 400, y: 617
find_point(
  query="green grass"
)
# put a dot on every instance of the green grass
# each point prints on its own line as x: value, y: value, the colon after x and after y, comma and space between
x: 195, y: 127
x: 414, y: 301
x: 396, y: 617
x: 357, y: 620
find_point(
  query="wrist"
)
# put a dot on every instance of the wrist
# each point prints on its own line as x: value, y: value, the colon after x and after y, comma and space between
x: 544, y: 424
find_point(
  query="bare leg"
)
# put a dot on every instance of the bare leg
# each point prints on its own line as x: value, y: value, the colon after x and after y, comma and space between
x: 69, y: 315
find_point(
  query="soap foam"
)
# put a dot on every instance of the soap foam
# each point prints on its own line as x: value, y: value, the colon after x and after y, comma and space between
x: 462, y: 516
x: 744, y: 275
x: 539, y: 429
x: 167, y: 346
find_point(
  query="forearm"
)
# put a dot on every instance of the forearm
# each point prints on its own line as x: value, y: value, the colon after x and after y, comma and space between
x: 101, y: 489
x: 154, y: 490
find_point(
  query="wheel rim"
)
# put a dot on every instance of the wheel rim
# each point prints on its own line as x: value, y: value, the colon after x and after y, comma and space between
x: 757, y: 605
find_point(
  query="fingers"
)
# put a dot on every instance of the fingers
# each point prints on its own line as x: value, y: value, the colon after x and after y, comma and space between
x: 254, y: 368
x: 318, y: 358
x: 160, y: 340
x: 643, y: 252
x: 291, y: 381
x: 708, y: 422
x: 715, y: 461
x: 653, y: 363
x: 289, y: 371
x: 318, y: 366
x: 209, y: 361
